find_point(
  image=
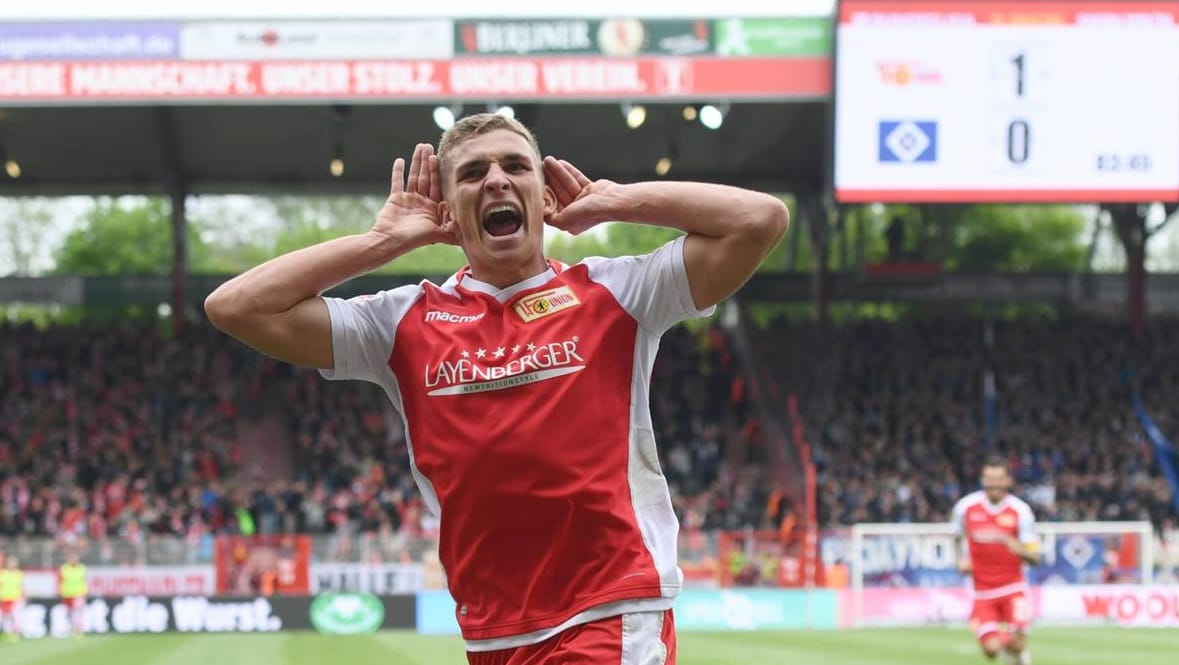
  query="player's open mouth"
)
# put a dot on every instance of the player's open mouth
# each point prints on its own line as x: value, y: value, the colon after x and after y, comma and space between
x: 502, y: 220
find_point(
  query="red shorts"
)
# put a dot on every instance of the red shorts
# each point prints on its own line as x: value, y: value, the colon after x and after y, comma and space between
x: 645, y: 637
x: 989, y: 615
x: 7, y: 606
x: 74, y: 603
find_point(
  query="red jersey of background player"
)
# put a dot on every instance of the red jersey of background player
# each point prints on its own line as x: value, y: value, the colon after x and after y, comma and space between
x: 987, y: 527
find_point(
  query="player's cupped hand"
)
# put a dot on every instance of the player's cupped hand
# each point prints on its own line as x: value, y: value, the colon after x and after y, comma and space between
x: 410, y: 214
x: 581, y: 203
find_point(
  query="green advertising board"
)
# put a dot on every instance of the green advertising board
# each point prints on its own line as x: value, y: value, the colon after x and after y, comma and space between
x: 798, y: 37
x: 347, y: 613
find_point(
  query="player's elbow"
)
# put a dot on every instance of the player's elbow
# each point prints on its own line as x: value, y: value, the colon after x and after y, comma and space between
x: 224, y: 308
x: 217, y: 309
x: 767, y: 221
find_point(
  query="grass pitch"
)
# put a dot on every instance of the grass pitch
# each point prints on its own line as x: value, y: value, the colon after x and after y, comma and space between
x: 934, y: 646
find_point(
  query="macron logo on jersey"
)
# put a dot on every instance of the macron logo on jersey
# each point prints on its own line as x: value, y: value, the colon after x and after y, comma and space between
x: 447, y: 317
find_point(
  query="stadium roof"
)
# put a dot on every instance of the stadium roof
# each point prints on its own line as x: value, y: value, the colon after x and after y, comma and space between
x: 214, y: 148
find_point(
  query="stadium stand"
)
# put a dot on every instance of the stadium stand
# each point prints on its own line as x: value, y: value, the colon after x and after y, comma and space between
x: 897, y: 412
x: 895, y: 409
x: 88, y: 413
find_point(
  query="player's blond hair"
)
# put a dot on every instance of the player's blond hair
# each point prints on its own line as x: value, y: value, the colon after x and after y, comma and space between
x: 476, y: 125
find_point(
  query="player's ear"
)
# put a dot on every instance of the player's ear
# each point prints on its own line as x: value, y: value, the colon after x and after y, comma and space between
x: 550, y: 202
x: 446, y: 219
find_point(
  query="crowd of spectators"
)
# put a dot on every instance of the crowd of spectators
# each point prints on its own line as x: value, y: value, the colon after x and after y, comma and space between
x: 120, y: 432
x: 897, y: 412
x: 113, y: 428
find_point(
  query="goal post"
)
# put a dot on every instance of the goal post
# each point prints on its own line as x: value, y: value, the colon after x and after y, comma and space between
x: 921, y: 561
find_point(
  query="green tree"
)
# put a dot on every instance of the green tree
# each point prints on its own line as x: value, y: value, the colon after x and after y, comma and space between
x: 25, y: 225
x: 1017, y: 238
x: 571, y: 248
x: 129, y: 236
x: 239, y: 230
x: 306, y: 221
x: 437, y: 260
x: 635, y: 239
x: 613, y: 239
x: 344, y: 214
x: 973, y: 237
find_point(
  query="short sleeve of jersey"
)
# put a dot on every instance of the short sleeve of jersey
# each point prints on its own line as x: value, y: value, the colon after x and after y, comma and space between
x: 653, y: 287
x: 1027, y: 523
x: 958, y: 518
x: 362, y: 332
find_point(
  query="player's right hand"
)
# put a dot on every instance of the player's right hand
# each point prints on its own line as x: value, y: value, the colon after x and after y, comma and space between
x: 410, y: 214
x: 964, y: 566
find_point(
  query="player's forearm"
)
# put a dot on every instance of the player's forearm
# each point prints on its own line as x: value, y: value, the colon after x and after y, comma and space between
x: 284, y: 281
x: 706, y: 209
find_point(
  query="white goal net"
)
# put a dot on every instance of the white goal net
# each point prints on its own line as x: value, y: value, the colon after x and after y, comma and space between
x: 907, y: 574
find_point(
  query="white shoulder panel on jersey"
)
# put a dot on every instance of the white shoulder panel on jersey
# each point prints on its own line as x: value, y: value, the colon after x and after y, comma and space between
x: 362, y: 331
x: 969, y: 500
x: 958, y: 516
x: 653, y: 288
x: 1027, y: 518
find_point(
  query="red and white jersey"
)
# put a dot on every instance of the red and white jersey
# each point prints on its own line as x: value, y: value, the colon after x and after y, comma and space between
x: 986, y: 527
x: 526, y: 412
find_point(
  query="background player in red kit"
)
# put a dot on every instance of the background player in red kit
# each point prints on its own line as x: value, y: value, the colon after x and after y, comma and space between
x: 999, y: 530
x: 523, y: 383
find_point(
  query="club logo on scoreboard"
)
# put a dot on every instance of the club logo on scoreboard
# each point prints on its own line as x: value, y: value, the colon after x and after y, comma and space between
x: 902, y: 73
x: 907, y: 141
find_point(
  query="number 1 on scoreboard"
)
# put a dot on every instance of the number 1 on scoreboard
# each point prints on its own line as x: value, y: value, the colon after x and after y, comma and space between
x: 1018, y: 61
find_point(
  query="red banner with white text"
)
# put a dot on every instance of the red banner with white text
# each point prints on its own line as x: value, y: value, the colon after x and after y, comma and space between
x: 504, y: 79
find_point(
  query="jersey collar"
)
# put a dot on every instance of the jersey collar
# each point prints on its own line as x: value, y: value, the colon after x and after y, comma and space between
x: 463, y: 281
x: 996, y: 508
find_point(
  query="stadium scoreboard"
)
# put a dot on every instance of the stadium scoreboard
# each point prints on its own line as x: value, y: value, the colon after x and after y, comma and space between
x: 969, y: 101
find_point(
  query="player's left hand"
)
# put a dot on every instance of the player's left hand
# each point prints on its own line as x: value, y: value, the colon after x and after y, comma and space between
x: 580, y: 204
x: 965, y: 566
